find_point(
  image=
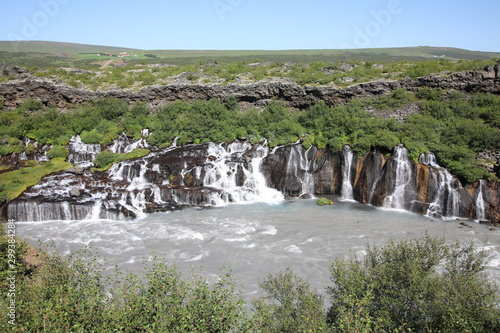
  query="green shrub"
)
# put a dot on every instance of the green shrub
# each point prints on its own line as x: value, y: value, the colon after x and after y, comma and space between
x: 30, y: 104
x: 423, y: 285
x: 91, y: 137
x: 324, y: 201
x: 57, y: 151
x: 290, y: 305
x: 72, y: 295
x: 430, y: 94
x: 105, y: 158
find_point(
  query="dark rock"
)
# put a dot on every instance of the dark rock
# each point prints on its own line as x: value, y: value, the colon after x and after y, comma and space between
x: 54, y: 93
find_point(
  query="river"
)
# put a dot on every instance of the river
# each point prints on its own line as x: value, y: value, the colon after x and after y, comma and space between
x: 255, y: 239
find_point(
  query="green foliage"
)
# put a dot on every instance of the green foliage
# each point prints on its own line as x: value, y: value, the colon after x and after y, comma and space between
x: 290, y: 305
x: 91, y: 137
x: 30, y: 105
x: 324, y: 201
x: 422, y: 285
x: 16, y: 182
x: 11, y: 251
x: 57, y: 151
x: 111, y: 108
x: 431, y: 94
x: 107, y: 158
x: 71, y: 294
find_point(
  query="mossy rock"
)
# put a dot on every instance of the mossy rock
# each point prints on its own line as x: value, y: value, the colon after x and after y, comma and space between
x: 324, y: 201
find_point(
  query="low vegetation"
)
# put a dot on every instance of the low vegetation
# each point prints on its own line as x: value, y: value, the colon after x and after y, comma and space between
x: 312, y: 73
x: 107, y: 158
x: 453, y: 125
x: 324, y: 202
x: 13, y: 183
x: 421, y: 285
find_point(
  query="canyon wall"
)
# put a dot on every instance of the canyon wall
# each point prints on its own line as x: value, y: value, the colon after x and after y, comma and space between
x: 210, y: 174
x: 55, y: 93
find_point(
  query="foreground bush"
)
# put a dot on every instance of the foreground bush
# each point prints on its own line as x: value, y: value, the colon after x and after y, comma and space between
x: 422, y: 285
x: 72, y: 295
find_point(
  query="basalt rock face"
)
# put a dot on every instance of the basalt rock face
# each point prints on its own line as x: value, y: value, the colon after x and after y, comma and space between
x: 210, y: 174
x: 56, y: 93
x: 168, y: 179
x: 395, y: 182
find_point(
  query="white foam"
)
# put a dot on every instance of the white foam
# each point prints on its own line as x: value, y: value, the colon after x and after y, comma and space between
x: 270, y: 230
x: 293, y: 249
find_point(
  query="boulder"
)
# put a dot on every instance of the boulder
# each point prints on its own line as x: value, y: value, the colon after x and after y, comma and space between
x: 74, y: 192
x: 76, y: 170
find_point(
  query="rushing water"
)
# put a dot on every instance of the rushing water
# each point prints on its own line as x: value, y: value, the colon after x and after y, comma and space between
x: 255, y: 239
x: 397, y: 199
x: 347, y: 191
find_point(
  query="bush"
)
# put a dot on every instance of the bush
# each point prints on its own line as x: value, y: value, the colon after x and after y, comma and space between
x: 105, y: 158
x: 57, y: 151
x: 72, y: 295
x: 30, y: 104
x: 290, y: 306
x: 422, y: 285
x: 92, y: 137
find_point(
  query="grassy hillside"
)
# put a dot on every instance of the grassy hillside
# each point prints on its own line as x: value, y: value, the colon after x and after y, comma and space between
x: 53, y: 54
x: 56, y: 47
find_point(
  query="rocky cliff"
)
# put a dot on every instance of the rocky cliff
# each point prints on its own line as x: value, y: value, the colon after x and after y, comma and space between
x: 56, y: 93
x: 213, y: 175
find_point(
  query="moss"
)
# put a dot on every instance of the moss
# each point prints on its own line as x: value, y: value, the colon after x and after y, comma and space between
x: 324, y: 201
x: 106, y: 159
x: 14, y: 183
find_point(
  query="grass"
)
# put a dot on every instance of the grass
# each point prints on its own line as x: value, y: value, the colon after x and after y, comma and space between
x: 14, y: 183
x: 312, y: 73
x: 53, y: 54
x: 107, y: 158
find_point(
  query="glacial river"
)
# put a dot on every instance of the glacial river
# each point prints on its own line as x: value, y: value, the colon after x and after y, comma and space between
x: 255, y: 239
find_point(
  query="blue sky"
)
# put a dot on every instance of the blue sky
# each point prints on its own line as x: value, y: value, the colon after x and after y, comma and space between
x: 255, y: 24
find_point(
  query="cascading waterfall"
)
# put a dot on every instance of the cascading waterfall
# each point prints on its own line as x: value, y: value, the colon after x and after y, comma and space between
x: 237, y: 176
x: 480, y: 207
x: 347, y: 189
x: 124, y: 144
x: 81, y: 153
x: 299, y: 167
x: 218, y: 174
x: 307, y: 164
x: 447, y: 201
x: 402, y: 179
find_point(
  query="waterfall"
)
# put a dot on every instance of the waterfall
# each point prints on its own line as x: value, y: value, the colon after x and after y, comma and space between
x: 447, y: 201
x: 81, y: 153
x: 299, y: 167
x: 307, y: 164
x: 480, y: 206
x: 231, y: 170
x: 347, y: 190
x: 124, y: 144
x: 402, y: 179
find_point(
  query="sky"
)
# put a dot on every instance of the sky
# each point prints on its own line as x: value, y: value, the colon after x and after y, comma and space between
x: 255, y: 24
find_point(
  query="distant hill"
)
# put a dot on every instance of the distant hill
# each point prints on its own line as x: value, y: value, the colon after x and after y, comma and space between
x: 56, y: 47
x: 47, y: 54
